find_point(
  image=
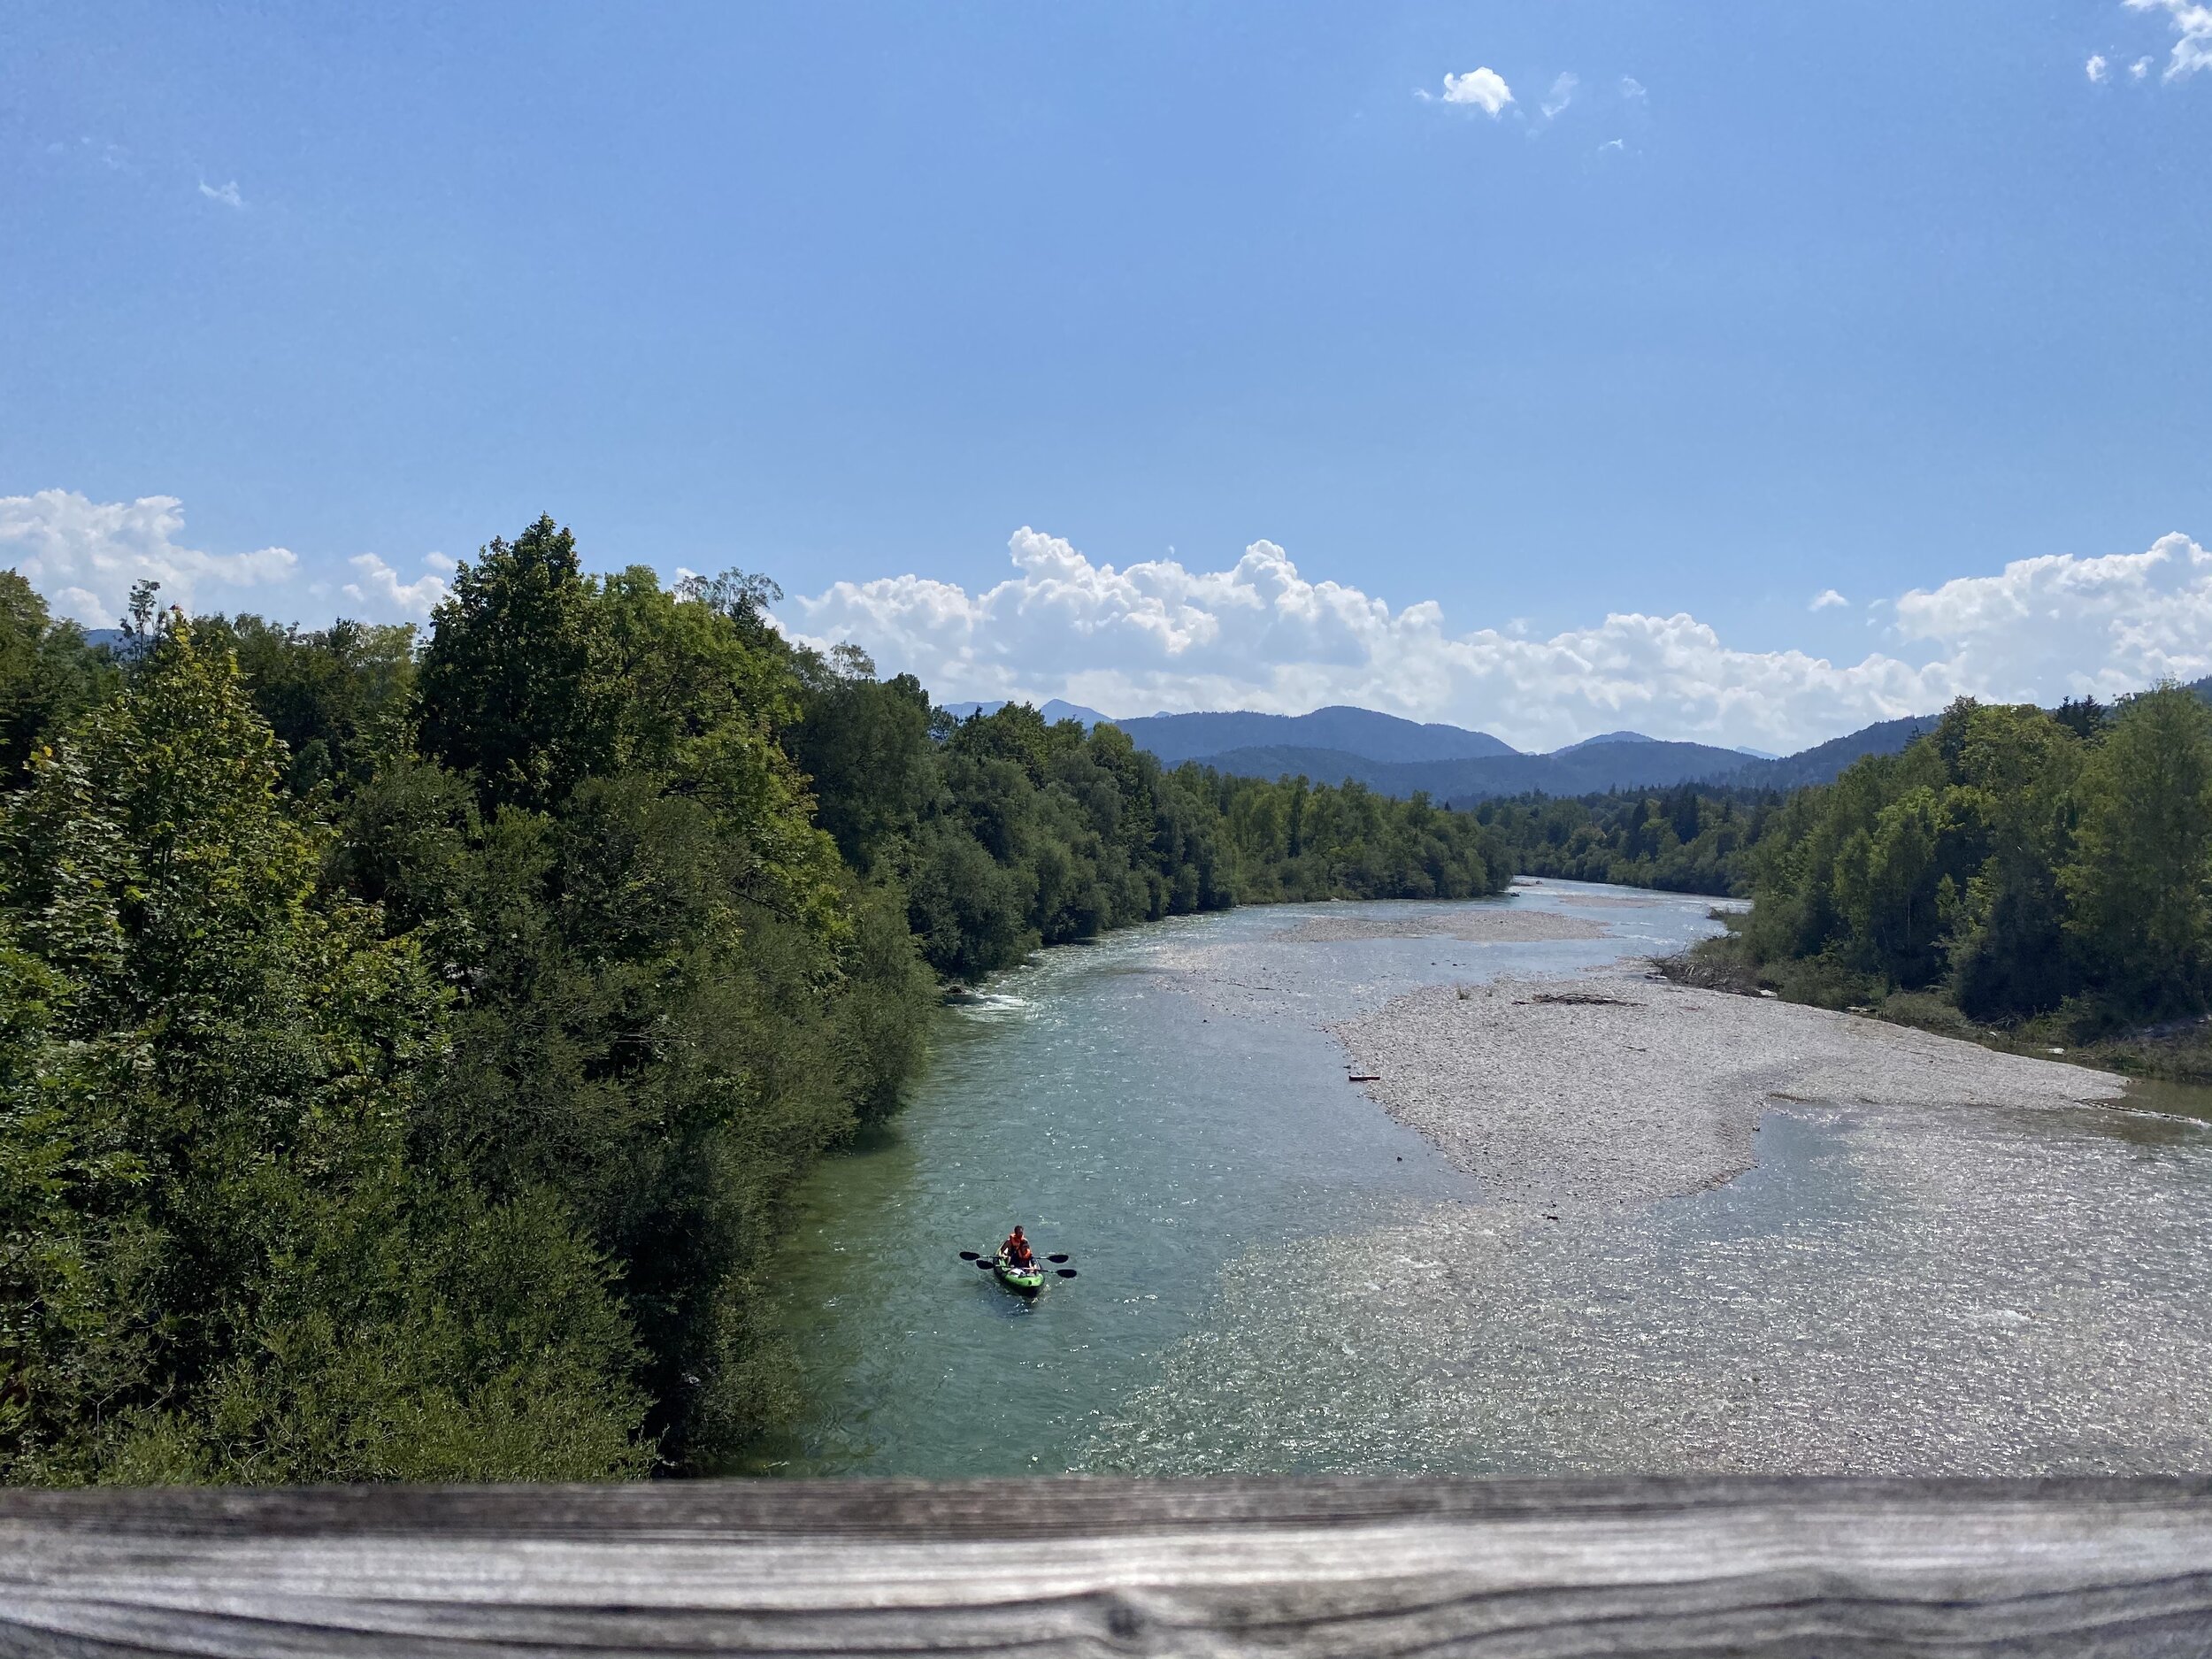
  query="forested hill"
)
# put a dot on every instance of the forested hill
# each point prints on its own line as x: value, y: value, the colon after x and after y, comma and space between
x: 1584, y: 769
x: 1401, y: 758
x: 408, y: 1044
x: 1824, y: 762
x: 1356, y: 734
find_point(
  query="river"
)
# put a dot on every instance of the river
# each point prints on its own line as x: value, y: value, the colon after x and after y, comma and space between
x: 1165, y: 1106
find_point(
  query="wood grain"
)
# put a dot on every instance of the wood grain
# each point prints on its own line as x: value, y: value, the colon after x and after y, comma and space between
x: 1521, y: 1568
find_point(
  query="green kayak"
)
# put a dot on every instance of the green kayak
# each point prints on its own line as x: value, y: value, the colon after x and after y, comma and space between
x: 1029, y: 1280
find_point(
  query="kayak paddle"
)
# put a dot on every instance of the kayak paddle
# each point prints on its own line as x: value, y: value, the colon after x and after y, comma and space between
x: 1056, y: 1258
x: 970, y: 1255
x: 1065, y: 1272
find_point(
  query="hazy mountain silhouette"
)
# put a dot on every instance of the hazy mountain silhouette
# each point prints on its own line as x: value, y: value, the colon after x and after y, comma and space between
x: 1453, y: 763
x: 1363, y: 733
x: 1586, y: 769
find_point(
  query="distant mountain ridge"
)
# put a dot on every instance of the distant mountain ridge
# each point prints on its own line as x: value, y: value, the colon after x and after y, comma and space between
x: 1454, y: 765
x: 1614, y: 760
x: 1606, y: 737
x: 1825, y: 761
x: 1586, y: 769
x: 1382, y: 738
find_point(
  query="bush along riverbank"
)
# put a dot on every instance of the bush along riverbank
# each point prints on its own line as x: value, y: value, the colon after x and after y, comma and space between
x: 406, y: 1047
x: 2039, y: 881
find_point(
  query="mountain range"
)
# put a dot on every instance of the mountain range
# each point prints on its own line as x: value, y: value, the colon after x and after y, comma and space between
x: 1398, y: 758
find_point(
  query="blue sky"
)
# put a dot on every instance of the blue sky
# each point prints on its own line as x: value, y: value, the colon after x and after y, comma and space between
x: 1731, y: 304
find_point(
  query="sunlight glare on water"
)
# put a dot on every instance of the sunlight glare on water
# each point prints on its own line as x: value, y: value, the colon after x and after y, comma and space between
x: 1277, y: 1276
x: 1154, y: 1133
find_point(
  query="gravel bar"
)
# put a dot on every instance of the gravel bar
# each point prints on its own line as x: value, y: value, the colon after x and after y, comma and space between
x: 1623, y: 1088
x: 1499, y: 926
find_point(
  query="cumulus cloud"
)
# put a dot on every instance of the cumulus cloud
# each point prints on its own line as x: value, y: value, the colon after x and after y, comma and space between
x: 84, y: 554
x: 2140, y: 68
x: 2193, y: 31
x: 1827, y: 599
x: 2095, y: 68
x: 226, y: 194
x: 380, y: 587
x: 2061, y: 623
x: 1632, y: 89
x: 1484, y: 88
x: 1562, y: 94
x: 1157, y: 635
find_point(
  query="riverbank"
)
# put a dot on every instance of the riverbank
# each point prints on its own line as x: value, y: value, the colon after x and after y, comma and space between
x: 1623, y: 1087
x: 2174, y: 1051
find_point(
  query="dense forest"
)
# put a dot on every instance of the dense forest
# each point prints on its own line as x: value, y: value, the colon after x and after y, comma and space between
x: 2016, y: 864
x: 406, y: 1045
x: 2014, y: 868
x: 1693, y: 838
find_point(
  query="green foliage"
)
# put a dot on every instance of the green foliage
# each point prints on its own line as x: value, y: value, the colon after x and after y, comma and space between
x: 218, y: 1262
x: 514, y: 687
x: 406, y: 1053
x: 1292, y: 841
x: 1692, y: 838
x: 2014, y: 862
x: 339, y: 699
x: 672, y: 996
x: 1007, y: 832
x: 48, y: 674
x: 2136, y: 880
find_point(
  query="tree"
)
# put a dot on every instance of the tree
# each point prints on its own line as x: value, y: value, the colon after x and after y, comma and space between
x: 341, y: 699
x: 512, y: 687
x: 2137, y: 880
x: 218, y: 1261
x: 48, y: 674
x: 2017, y: 769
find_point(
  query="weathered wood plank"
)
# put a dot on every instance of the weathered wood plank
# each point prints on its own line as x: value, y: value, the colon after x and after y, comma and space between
x: 1519, y: 1569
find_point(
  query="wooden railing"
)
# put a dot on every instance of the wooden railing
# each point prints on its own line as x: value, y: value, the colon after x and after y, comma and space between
x: 1519, y: 1568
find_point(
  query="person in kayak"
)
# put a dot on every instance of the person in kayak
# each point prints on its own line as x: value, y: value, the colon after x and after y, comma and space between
x: 1015, y: 1252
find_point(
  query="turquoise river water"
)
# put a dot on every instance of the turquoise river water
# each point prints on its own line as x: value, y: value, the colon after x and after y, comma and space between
x: 1165, y: 1106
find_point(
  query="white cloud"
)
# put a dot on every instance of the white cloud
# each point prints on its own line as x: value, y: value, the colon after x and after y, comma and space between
x: 1260, y: 635
x: 226, y: 194
x: 2095, y: 68
x: 1485, y: 88
x: 1562, y: 94
x: 1632, y: 89
x: 2061, y: 623
x: 380, y: 587
x: 2140, y: 68
x: 1827, y: 599
x: 1613, y: 144
x: 84, y: 554
x: 2193, y: 30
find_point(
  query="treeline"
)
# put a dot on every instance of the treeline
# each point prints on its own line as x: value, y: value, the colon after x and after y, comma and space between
x: 2016, y: 863
x: 2013, y: 865
x: 406, y: 1047
x: 1695, y: 838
